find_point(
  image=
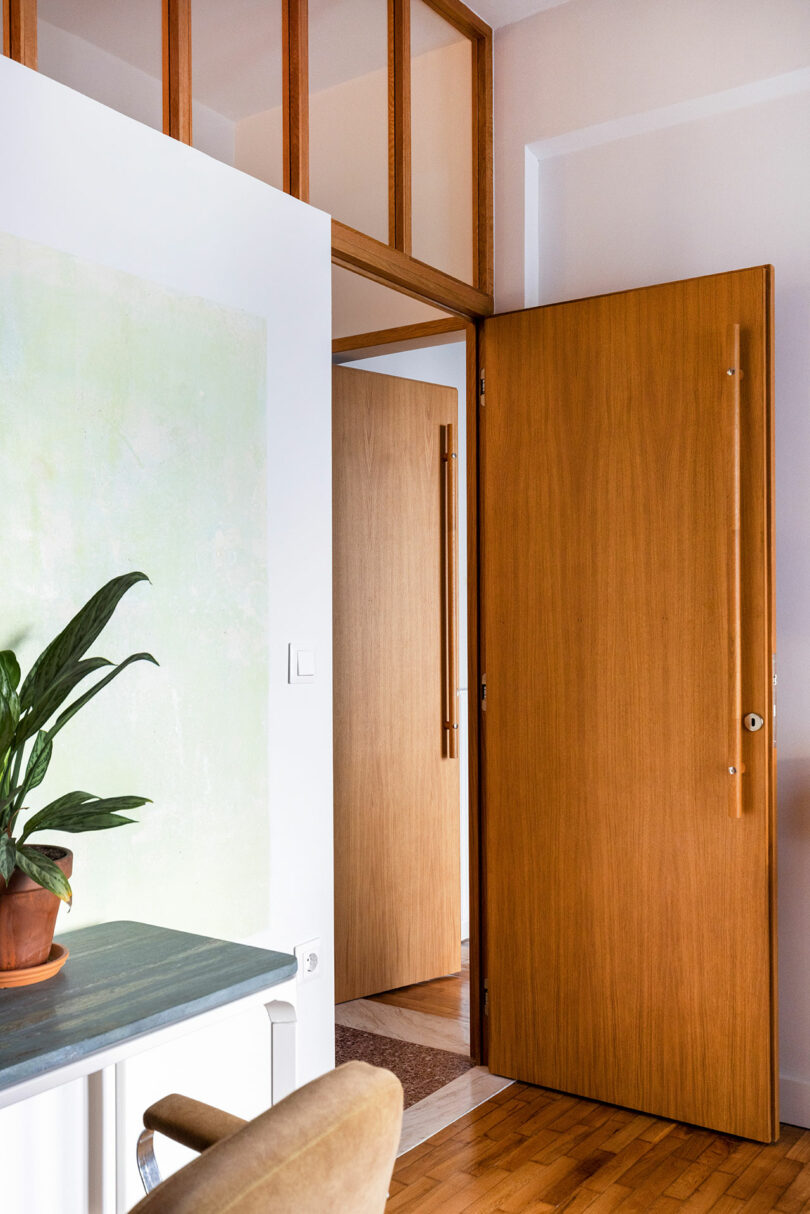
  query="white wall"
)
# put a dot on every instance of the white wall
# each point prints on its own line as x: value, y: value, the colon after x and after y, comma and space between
x: 447, y: 364
x: 82, y: 179
x: 89, y: 69
x: 641, y: 142
x: 592, y: 61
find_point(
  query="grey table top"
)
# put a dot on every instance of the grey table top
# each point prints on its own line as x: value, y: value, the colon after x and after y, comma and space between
x: 123, y: 980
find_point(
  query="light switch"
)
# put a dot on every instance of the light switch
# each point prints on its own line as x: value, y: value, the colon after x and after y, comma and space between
x: 306, y: 663
x: 301, y: 662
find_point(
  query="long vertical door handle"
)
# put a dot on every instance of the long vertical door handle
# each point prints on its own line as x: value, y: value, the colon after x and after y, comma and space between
x: 450, y: 465
x: 735, y: 769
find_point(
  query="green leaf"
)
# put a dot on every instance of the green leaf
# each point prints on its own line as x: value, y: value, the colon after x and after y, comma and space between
x: 9, y: 716
x: 75, y: 639
x: 9, y: 703
x: 9, y: 713
x: 71, y: 711
x: 42, y: 870
x: 5, y: 810
x: 87, y: 819
x: 46, y: 703
x: 10, y: 667
x: 38, y: 761
x: 116, y: 803
x: 76, y: 812
x: 69, y: 802
x: 8, y: 857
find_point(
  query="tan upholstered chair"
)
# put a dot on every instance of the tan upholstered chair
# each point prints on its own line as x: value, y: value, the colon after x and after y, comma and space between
x: 329, y: 1148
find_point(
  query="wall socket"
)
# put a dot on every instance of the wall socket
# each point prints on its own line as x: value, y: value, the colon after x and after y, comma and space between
x: 308, y: 956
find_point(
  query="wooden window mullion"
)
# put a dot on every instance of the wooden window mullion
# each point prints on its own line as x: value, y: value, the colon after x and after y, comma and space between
x: 399, y: 128
x: 483, y: 236
x: 20, y: 31
x: 177, y: 69
x: 295, y: 102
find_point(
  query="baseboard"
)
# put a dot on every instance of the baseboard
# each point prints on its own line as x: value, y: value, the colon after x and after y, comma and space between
x: 794, y: 1101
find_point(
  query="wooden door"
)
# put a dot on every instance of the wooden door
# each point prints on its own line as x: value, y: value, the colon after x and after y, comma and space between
x: 627, y: 622
x: 397, y: 890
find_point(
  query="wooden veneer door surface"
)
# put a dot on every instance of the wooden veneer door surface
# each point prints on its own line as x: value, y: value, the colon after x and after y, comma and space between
x: 630, y: 939
x: 397, y: 891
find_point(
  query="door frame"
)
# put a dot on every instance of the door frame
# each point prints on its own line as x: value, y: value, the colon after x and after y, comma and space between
x: 402, y: 338
x: 473, y: 331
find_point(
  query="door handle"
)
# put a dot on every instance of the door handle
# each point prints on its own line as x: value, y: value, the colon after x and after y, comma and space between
x: 450, y: 673
x: 735, y: 768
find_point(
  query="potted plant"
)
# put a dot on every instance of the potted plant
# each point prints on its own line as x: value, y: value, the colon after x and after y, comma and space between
x: 33, y: 877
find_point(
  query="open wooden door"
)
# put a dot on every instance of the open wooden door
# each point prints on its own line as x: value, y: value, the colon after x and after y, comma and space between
x: 627, y: 627
x: 397, y: 885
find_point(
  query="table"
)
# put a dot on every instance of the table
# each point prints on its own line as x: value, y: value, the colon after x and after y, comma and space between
x: 126, y: 987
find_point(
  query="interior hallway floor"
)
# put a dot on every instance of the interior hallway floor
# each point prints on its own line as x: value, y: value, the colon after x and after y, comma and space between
x: 486, y: 1145
x: 448, y: 997
x: 437, y: 1015
x: 528, y: 1149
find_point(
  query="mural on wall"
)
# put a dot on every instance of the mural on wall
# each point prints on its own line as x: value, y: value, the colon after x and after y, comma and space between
x: 134, y: 437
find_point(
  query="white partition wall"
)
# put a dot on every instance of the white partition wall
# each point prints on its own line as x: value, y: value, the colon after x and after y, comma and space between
x: 165, y: 371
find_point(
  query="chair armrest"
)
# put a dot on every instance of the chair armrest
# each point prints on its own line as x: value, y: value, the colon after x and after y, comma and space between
x: 190, y: 1122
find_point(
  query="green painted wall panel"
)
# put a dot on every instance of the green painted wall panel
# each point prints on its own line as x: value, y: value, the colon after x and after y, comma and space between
x: 134, y: 437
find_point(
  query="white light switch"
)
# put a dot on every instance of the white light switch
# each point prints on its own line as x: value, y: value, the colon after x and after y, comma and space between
x: 301, y: 662
x: 306, y: 663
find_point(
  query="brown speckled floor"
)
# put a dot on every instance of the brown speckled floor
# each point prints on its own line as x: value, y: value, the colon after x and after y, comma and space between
x: 419, y: 1068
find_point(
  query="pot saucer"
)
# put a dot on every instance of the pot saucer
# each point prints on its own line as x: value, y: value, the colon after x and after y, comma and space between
x: 36, y: 973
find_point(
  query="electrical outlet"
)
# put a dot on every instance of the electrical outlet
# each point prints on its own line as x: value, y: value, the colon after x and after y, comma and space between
x: 308, y: 956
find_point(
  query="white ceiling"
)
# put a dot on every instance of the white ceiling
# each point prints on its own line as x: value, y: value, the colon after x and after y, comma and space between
x: 503, y: 12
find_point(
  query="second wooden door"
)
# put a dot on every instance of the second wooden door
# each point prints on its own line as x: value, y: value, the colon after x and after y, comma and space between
x: 397, y: 892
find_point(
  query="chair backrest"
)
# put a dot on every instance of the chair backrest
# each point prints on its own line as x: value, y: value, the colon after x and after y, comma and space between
x: 329, y: 1148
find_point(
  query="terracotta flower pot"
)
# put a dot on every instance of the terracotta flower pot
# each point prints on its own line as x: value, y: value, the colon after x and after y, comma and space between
x: 28, y: 914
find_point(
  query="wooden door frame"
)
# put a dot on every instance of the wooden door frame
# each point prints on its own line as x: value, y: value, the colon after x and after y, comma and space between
x: 366, y: 344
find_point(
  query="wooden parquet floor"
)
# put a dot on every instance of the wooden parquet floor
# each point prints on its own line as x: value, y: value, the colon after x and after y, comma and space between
x: 529, y: 1149
x: 449, y: 997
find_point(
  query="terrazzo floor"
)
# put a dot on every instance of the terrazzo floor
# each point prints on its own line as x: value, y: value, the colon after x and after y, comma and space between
x: 421, y: 1069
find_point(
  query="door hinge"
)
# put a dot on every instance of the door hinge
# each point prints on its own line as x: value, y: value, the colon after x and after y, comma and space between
x: 486, y: 996
x: 775, y: 684
x: 482, y: 388
x: 483, y: 691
